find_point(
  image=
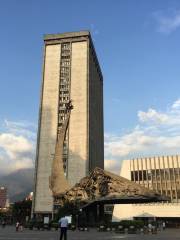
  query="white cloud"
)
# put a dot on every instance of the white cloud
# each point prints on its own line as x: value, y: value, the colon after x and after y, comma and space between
x: 17, y: 146
x: 176, y: 104
x: 157, y: 133
x: 24, y: 128
x: 14, y: 145
x: 152, y: 115
x: 167, y: 21
x: 169, y: 118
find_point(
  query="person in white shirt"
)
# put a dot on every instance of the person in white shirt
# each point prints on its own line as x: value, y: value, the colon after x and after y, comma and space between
x: 63, y: 222
x: 164, y: 225
x: 17, y: 226
x: 150, y: 227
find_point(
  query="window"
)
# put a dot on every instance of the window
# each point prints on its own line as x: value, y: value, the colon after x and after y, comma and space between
x: 64, y: 97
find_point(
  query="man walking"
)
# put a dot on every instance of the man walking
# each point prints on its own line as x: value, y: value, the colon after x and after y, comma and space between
x: 164, y: 225
x: 63, y: 222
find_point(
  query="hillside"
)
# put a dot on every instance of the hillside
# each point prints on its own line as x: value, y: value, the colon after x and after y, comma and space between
x: 18, y: 183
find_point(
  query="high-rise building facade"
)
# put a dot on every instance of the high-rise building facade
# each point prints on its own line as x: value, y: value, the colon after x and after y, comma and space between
x: 3, y: 198
x: 159, y: 173
x: 70, y: 72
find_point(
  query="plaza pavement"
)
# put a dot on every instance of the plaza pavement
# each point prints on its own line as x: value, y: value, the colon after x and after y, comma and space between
x: 9, y: 233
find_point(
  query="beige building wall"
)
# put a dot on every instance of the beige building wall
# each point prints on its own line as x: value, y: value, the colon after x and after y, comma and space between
x: 86, y: 136
x: 167, y: 183
x: 47, y: 128
x: 78, y: 128
x: 125, y: 169
x: 85, y: 132
x: 129, y: 211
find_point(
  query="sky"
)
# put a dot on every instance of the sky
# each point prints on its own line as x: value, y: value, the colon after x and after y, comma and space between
x: 137, y: 44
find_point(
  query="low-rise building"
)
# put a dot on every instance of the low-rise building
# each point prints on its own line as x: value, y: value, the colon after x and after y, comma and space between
x: 161, y: 173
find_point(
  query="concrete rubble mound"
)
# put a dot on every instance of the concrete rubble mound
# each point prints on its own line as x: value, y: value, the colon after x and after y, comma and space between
x: 104, y: 186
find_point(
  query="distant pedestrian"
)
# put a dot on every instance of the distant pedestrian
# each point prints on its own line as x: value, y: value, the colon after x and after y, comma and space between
x: 164, y: 225
x: 150, y: 228
x: 21, y: 226
x: 3, y: 224
x: 17, y: 226
x: 63, y: 223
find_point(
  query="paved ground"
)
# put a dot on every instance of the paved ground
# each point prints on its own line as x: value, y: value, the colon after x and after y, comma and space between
x: 9, y: 234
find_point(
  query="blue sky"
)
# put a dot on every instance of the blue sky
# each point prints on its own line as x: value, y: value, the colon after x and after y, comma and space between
x: 137, y: 43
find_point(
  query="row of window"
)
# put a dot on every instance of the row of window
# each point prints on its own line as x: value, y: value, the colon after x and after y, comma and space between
x: 62, y: 111
x: 64, y: 80
x: 64, y: 98
x: 66, y: 91
x: 159, y: 174
x: 62, y: 105
x: 65, y: 53
x: 65, y: 57
x: 64, y: 86
x: 66, y: 63
x: 65, y: 46
x: 64, y: 94
x: 64, y: 75
x: 64, y: 69
x: 165, y: 181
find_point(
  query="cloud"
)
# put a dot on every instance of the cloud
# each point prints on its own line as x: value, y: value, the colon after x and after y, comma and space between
x: 157, y: 133
x: 152, y: 115
x: 167, y: 21
x: 169, y: 118
x: 176, y: 105
x: 17, y: 146
x: 24, y: 128
x: 14, y: 145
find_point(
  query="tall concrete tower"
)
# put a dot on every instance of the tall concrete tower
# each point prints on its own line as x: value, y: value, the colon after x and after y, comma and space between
x: 70, y: 71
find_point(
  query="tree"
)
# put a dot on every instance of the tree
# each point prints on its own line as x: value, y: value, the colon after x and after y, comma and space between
x: 21, y: 209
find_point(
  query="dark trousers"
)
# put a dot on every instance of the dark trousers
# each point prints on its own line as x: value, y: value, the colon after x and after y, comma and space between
x: 63, y: 233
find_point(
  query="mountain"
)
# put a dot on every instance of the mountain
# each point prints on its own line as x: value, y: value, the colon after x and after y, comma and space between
x: 19, y: 183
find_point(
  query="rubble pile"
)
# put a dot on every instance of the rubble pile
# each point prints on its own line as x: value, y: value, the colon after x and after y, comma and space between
x: 102, y: 185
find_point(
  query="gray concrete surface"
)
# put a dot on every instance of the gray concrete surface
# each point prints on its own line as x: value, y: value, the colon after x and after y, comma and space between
x: 9, y: 233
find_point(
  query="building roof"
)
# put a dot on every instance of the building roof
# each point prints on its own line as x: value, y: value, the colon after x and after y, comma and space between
x: 66, y: 35
x: 74, y: 36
